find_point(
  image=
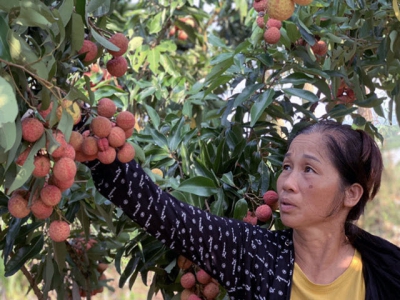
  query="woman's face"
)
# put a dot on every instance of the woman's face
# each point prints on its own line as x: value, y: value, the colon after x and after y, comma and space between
x: 309, y: 186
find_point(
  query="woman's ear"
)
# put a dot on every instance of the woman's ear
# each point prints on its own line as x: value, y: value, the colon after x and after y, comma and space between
x: 353, y: 195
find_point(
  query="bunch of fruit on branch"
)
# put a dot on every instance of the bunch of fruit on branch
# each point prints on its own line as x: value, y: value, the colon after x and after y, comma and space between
x: 118, y: 65
x: 53, y: 156
x: 197, y: 284
x: 263, y: 212
x: 271, y: 13
x: 180, y: 33
x: 95, y: 281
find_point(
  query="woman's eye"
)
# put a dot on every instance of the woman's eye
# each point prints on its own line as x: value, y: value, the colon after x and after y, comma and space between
x: 308, y: 169
x: 285, y: 167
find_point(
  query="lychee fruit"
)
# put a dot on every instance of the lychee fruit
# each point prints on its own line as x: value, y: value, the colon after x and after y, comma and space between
x: 126, y: 153
x: 42, y: 166
x: 280, y: 9
x: 57, y: 151
x: 263, y: 213
x: 64, y: 169
x: 260, y: 22
x: 303, y: 2
x: 121, y: 42
x: 125, y: 120
x: 188, y: 280
x: 274, y: 23
x: 129, y: 132
x: 116, y: 138
x: 50, y: 195
x: 117, y: 66
x: 18, y: 206
x: 172, y: 31
x: 250, y: 218
x: 193, y: 296
x: 59, y: 230
x: 260, y: 6
x: 270, y: 197
x: 185, y: 294
x: 61, y: 184
x: 101, y: 267
x: 106, y: 107
x: 107, y: 156
x: 101, y: 126
x: 211, y: 290
x: 183, y: 263
x: 40, y: 210
x: 182, y: 35
x: 81, y: 157
x: 90, y: 49
x: 32, y: 129
x: 76, y: 140
x: 272, y: 35
x: 46, y: 112
x: 72, y: 108
x: 203, y: 277
x: 103, y: 144
x: 69, y: 152
x: 89, y: 146
x: 320, y: 48
x: 23, y: 156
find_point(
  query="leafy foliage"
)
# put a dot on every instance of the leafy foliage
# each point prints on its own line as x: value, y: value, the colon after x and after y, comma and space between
x: 214, y: 112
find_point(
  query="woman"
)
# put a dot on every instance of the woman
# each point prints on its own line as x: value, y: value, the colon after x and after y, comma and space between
x: 329, y: 173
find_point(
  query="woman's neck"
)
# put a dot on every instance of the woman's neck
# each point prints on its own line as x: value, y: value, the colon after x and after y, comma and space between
x: 322, y: 254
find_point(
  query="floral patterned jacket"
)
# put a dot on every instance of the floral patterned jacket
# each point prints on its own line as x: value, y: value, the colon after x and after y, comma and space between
x: 249, y: 261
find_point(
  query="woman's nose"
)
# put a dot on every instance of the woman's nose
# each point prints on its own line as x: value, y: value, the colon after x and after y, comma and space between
x: 288, y: 181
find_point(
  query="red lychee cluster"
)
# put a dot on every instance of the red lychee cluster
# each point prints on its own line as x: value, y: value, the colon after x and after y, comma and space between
x: 197, y: 283
x: 263, y: 212
x: 106, y: 138
x: 277, y: 11
x: 118, y: 65
x: 181, y: 34
x: 80, y: 246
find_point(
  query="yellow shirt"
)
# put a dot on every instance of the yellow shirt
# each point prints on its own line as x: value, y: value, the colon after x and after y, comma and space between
x: 349, y: 285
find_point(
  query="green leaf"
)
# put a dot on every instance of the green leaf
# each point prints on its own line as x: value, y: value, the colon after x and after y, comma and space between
x: 103, y: 41
x: 219, y: 69
x: 23, y: 254
x: 217, y: 207
x: 176, y: 137
x: 8, y: 103
x: 129, y: 270
x: 246, y: 94
x: 228, y: 179
x: 8, y: 134
x: 96, y: 4
x: 31, y: 16
x: 26, y: 170
x: 21, y: 53
x: 153, y: 57
x: 60, y: 254
x: 4, y: 49
x: 78, y: 30
x: 155, y: 24
x: 66, y: 10
x: 168, y: 64
x: 48, y: 272
x: 263, y: 101
x: 303, y: 94
x: 13, y: 231
x: 240, y: 209
x: 199, y: 185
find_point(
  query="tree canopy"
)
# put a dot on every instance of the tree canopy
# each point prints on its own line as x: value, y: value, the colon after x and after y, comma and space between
x: 214, y: 104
